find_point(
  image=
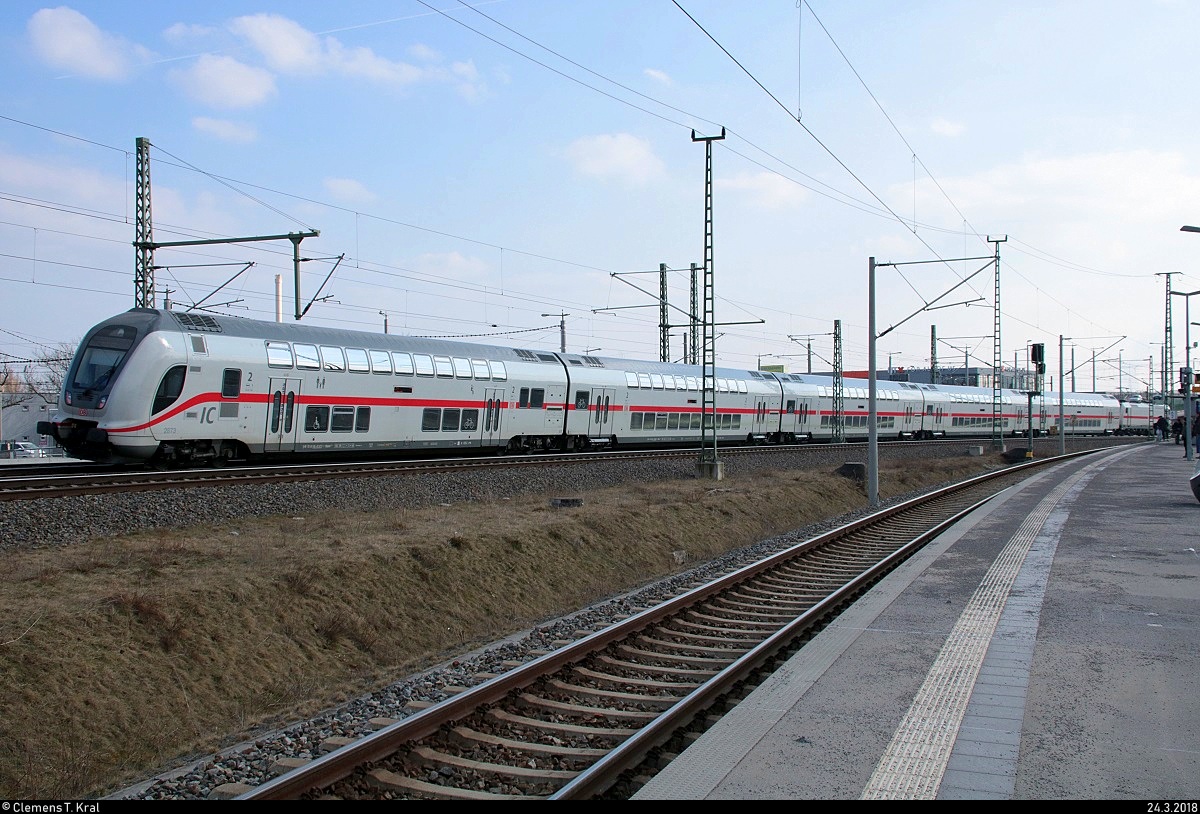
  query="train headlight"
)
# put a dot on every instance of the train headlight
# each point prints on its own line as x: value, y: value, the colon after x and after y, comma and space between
x: 67, y: 397
x: 100, y: 404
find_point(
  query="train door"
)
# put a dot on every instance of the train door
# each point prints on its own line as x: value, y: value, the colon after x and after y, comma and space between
x: 282, y: 411
x: 600, y: 412
x: 758, y: 424
x: 493, y: 398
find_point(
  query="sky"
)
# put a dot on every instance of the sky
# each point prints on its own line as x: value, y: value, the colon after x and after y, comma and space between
x: 499, y: 170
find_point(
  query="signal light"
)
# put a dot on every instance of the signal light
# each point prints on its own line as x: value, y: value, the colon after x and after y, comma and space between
x: 1039, y: 356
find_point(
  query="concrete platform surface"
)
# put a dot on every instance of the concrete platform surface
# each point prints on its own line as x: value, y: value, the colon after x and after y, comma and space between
x: 1047, y: 648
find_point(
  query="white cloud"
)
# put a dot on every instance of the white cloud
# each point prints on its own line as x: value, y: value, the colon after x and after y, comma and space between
x: 944, y: 127
x: 423, y: 53
x: 289, y: 48
x: 225, y: 130
x: 365, y: 63
x: 347, y: 190
x: 658, y: 76
x: 766, y: 189
x: 1138, y: 185
x: 183, y: 33
x: 452, y: 264
x: 623, y: 157
x: 286, y: 46
x: 224, y: 82
x: 66, y: 39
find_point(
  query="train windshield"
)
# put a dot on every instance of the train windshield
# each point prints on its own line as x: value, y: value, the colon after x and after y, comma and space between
x: 102, y: 356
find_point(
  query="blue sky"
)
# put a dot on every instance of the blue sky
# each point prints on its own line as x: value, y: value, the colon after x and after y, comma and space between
x: 481, y: 166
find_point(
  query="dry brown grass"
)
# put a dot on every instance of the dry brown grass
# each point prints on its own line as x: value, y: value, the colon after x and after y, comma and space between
x: 120, y: 655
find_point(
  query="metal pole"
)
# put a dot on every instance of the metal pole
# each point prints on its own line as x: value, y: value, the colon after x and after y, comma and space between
x: 1062, y: 427
x: 1029, y: 449
x: 1187, y: 396
x: 872, y: 428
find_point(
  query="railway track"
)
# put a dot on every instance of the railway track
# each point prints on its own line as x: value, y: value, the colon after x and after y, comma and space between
x: 64, y: 480
x: 587, y: 719
x: 43, y: 482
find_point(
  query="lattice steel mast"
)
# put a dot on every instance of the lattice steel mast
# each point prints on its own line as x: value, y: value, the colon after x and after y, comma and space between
x: 709, y: 465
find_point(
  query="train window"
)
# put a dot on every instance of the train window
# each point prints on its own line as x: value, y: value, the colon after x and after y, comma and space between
x: 276, y: 401
x: 403, y: 363
x: 644, y: 380
x: 673, y: 421
x: 362, y: 419
x: 231, y: 383
x: 660, y: 421
x: 104, y: 353
x: 656, y: 381
x: 635, y: 421
x: 343, y: 419
x: 316, y: 419
x: 307, y: 357
x: 470, y: 420
x: 480, y: 367
x: 169, y: 388
x: 791, y: 406
x: 537, y: 398
x: 450, y: 420
x: 381, y: 362
x: 582, y: 399
x: 334, y: 358
x: 431, y: 419
x: 424, y: 364
x: 523, y: 398
x: 289, y: 413
x: 499, y: 372
x: 462, y: 368
x: 279, y: 354
x: 198, y: 344
x: 443, y: 366
x: 695, y: 421
x: 631, y: 379
x: 356, y: 360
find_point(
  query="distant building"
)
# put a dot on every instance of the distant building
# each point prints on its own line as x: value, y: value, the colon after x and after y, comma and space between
x: 18, y: 422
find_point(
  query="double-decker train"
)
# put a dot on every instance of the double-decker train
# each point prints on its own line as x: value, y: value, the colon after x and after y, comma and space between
x: 174, y: 388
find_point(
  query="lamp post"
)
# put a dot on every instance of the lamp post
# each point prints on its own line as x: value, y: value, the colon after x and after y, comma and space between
x: 562, y: 329
x: 384, y: 314
x: 1187, y: 376
x: 1187, y: 396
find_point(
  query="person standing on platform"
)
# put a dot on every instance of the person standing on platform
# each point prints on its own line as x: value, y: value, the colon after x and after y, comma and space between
x: 1160, y: 428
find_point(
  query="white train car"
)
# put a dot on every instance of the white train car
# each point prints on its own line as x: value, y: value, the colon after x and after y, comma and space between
x: 1138, y: 417
x: 173, y: 388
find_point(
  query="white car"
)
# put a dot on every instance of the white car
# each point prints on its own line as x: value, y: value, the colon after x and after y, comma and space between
x: 24, y: 449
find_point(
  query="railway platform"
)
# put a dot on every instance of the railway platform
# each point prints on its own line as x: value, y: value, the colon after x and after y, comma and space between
x: 1046, y: 648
